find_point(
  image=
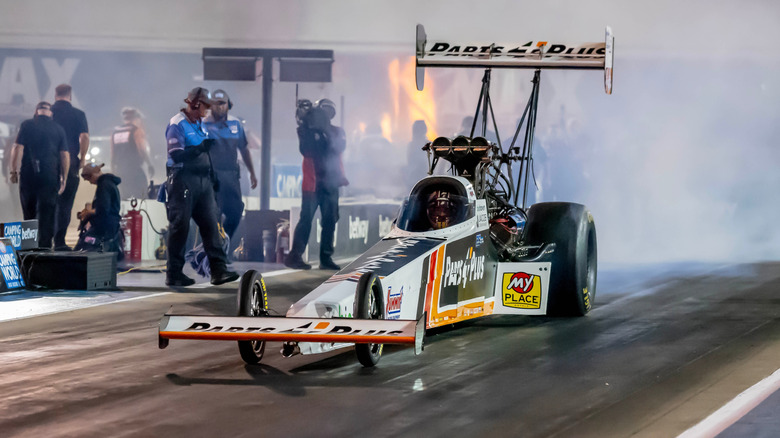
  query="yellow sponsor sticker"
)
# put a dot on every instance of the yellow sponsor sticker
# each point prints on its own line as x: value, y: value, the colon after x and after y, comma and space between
x: 522, y: 290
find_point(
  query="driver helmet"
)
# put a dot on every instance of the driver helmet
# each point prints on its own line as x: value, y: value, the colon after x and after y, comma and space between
x: 441, y: 209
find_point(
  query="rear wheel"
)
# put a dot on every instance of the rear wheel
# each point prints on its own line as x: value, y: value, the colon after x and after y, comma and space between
x: 252, y: 301
x: 572, y: 290
x: 369, y: 304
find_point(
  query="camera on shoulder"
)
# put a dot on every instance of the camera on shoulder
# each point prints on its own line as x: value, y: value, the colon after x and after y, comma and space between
x: 306, y: 114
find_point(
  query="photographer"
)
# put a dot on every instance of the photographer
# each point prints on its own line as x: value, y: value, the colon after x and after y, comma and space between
x: 190, y: 191
x: 321, y: 145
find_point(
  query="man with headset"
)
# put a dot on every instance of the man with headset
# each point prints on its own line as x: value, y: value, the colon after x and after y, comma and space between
x: 190, y: 191
x: 229, y: 138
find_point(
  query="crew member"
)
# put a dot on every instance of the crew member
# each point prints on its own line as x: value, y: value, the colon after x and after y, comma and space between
x: 43, y: 152
x: 190, y: 191
x: 129, y: 151
x: 101, y: 218
x: 228, y: 133
x: 321, y: 145
x: 74, y: 121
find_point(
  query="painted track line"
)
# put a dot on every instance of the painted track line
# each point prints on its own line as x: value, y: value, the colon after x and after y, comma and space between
x: 737, y: 408
x: 142, y: 297
x: 84, y: 307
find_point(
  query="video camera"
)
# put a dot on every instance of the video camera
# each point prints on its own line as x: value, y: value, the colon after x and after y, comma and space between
x: 311, y: 116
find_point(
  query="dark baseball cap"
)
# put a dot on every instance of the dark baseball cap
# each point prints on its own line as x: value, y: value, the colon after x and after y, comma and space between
x: 43, y: 105
x: 199, y: 94
x: 220, y: 96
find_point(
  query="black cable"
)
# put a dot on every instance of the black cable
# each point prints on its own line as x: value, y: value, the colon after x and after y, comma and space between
x: 150, y: 222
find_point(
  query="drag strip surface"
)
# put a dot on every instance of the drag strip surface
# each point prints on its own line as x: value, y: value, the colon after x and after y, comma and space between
x: 665, y: 347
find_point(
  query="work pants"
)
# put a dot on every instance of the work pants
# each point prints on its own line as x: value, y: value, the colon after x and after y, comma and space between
x: 327, y: 199
x: 65, y: 204
x: 229, y: 201
x: 39, y: 201
x: 191, y: 196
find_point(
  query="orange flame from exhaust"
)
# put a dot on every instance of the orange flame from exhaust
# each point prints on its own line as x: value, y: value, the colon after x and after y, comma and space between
x: 408, y: 103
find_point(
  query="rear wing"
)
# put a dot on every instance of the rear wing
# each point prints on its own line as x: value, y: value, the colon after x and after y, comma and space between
x: 531, y: 54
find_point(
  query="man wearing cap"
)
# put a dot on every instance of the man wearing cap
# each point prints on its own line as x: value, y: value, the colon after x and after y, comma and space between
x: 102, y: 216
x: 230, y: 138
x: 74, y: 122
x: 129, y: 151
x: 190, y: 191
x: 40, y: 163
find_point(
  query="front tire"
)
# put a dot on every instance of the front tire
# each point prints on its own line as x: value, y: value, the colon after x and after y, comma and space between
x: 369, y: 304
x: 252, y: 301
x: 572, y: 290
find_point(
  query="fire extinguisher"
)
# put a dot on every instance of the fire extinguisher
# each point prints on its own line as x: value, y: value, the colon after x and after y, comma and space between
x: 282, y: 241
x: 132, y: 227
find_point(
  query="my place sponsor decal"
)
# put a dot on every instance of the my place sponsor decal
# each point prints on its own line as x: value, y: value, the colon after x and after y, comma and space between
x: 522, y: 290
x: 393, y: 310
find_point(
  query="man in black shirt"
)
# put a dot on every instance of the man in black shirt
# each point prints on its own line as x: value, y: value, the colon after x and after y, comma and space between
x: 77, y: 137
x: 41, y: 148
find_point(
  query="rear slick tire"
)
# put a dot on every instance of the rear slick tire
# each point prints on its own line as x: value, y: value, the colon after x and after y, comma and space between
x: 369, y: 304
x: 572, y: 289
x: 252, y: 301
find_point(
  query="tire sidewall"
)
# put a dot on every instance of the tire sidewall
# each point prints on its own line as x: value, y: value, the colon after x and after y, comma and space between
x: 569, y: 226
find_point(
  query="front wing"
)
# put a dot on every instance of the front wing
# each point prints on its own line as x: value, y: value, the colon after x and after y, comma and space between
x: 295, y: 329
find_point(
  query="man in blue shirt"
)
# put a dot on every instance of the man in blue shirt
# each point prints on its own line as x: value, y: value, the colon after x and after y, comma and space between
x: 190, y: 191
x: 228, y: 134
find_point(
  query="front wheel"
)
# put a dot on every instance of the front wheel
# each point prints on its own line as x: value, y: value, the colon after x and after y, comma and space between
x: 252, y: 301
x: 369, y: 304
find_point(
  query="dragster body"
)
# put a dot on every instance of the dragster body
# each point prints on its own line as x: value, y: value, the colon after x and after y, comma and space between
x: 463, y: 246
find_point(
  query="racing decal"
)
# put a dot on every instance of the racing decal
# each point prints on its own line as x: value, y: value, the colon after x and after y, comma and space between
x: 531, y: 49
x: 482, y: 215
x: 458, y: 279
x: 480, y: 240
x: 464, y: 270
x: 386, y: 257
x: 297, y: 329
x: 461, y: 272
x: 393, y: 308
x: 522, y: 290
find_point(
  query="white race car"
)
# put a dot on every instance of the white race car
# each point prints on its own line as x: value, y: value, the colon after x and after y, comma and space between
x: 463, y: 246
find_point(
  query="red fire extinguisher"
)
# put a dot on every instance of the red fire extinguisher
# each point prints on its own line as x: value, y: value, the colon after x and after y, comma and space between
x: 132, y: 227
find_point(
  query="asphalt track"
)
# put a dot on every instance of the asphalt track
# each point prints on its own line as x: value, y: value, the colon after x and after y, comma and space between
x: 665, y: 347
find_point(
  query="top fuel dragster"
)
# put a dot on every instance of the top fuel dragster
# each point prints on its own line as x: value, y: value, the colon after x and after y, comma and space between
x: 463, y: 245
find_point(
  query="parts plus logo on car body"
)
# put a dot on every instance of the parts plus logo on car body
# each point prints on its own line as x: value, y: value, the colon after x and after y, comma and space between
x: 521, y: 290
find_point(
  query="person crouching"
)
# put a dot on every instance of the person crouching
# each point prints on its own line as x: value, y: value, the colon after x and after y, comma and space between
x: 100, y: 220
